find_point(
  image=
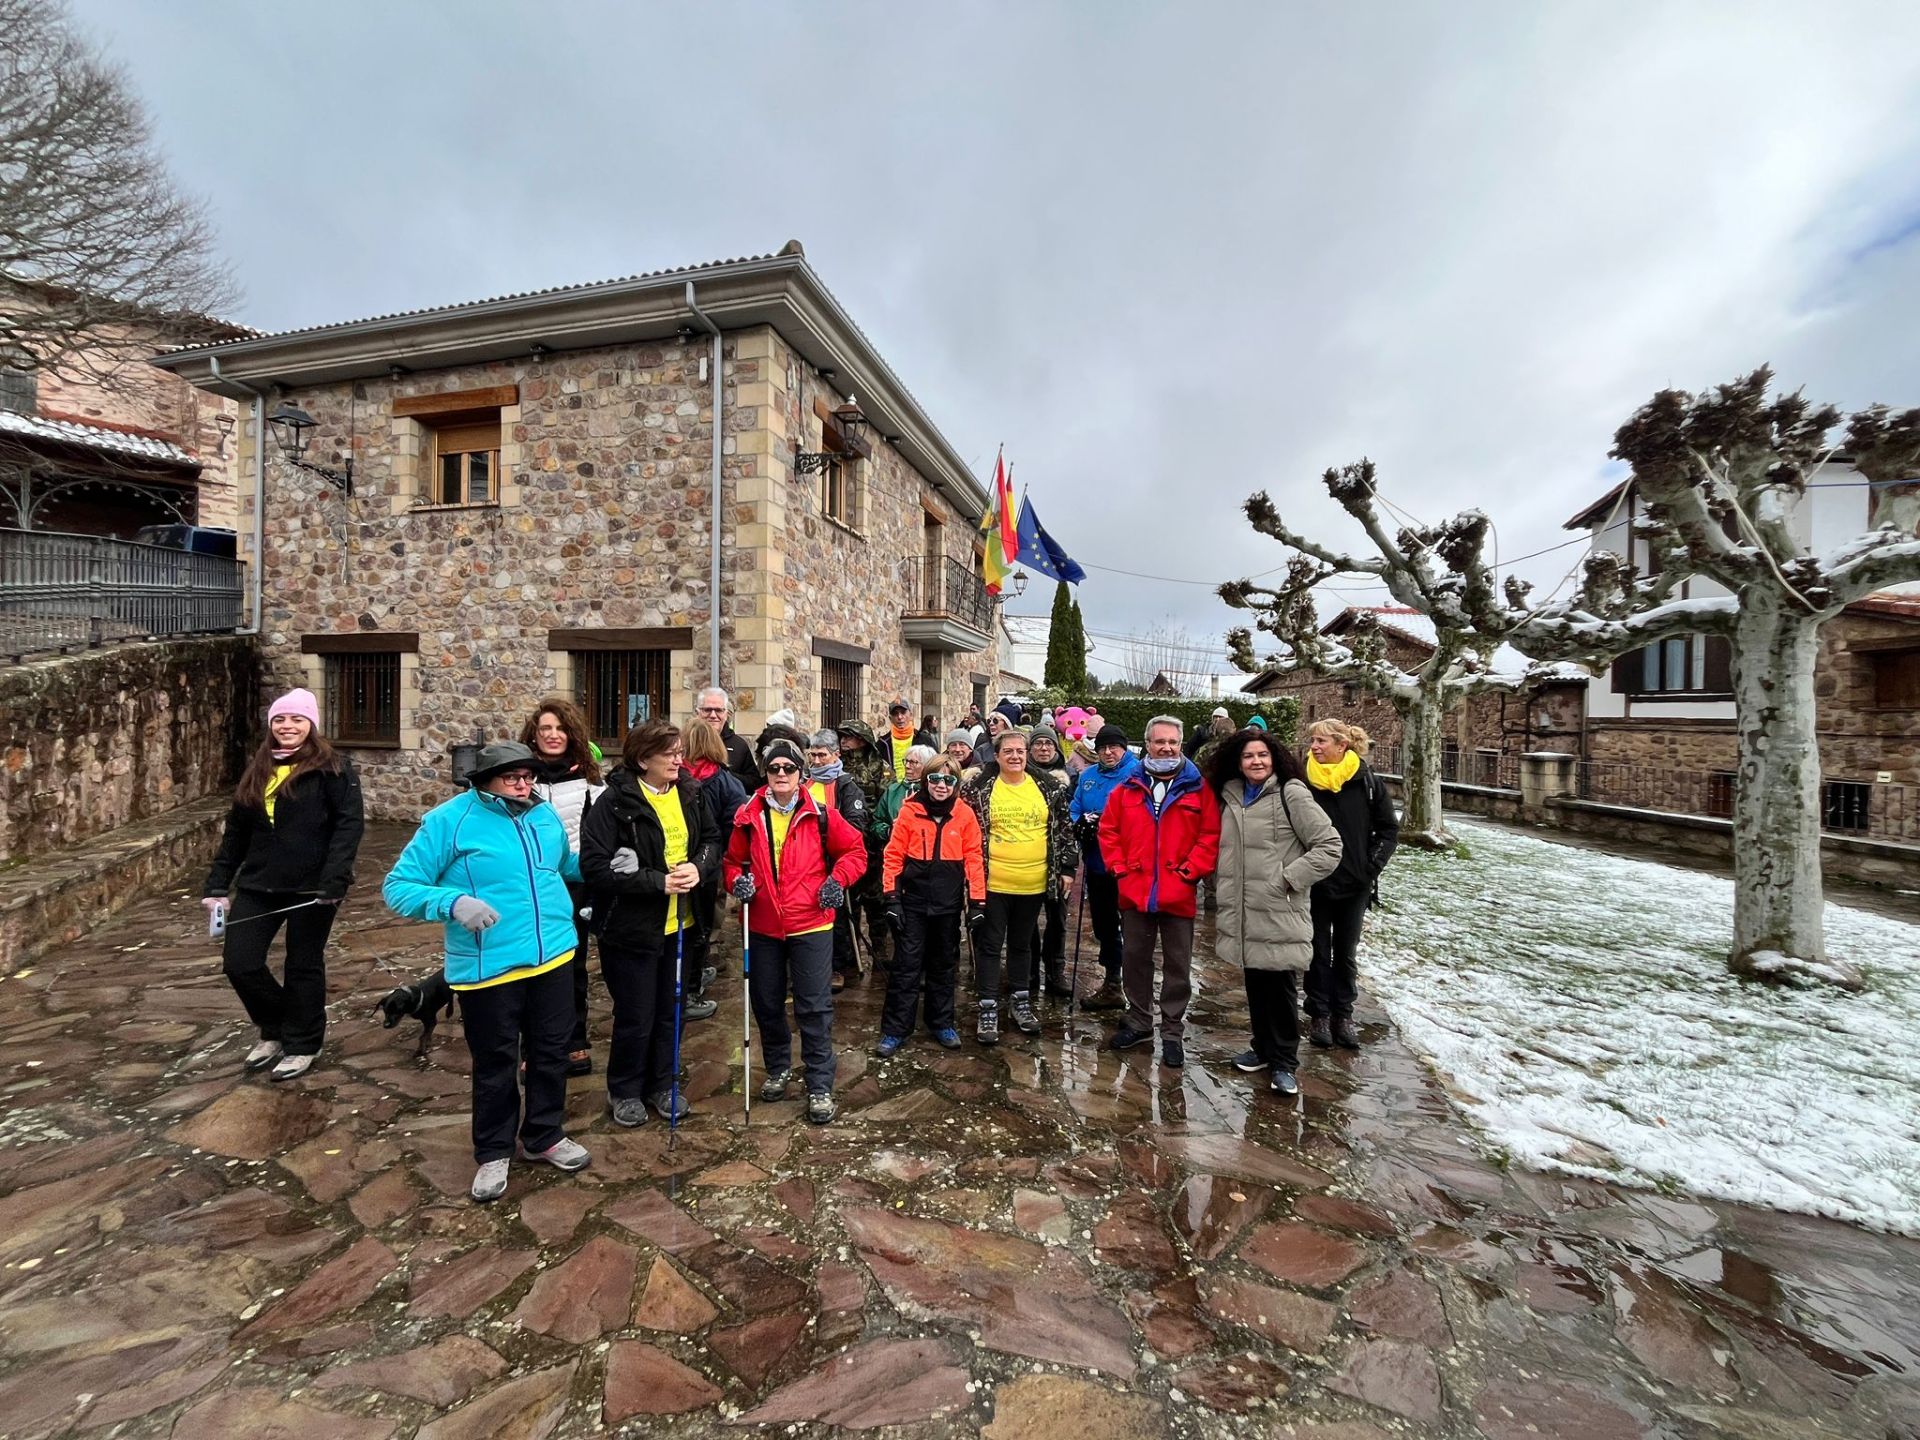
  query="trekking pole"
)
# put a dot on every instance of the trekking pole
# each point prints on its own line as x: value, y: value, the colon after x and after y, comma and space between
x: 673, y: 1097
x: 1079, y: 919
x: 746, y: 1014
x: 249, y: 919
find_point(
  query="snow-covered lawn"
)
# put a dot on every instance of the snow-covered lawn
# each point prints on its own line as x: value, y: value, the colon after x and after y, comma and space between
x: 1580, y: 1006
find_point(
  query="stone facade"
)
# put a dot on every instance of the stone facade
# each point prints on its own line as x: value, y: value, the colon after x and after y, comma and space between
x: 90, y: 743
x: 602, y: 523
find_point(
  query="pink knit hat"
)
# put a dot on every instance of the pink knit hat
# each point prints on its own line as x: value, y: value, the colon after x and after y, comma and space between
x: 297, y: 702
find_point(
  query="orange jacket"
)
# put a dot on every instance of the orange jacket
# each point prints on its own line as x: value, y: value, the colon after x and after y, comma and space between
x: 934, y: 864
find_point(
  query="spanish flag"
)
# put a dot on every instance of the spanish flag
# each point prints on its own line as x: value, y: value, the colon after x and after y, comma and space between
x: 998, y: 528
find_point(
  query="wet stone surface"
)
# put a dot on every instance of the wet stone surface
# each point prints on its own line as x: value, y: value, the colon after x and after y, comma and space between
x: 1042, y: 1239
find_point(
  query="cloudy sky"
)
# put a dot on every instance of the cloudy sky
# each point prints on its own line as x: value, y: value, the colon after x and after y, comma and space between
x: 1168, y: 254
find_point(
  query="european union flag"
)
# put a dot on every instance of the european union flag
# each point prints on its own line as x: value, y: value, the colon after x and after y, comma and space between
x: 1040, y: 551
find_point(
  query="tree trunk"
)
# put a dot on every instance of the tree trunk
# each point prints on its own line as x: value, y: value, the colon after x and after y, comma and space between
x: 1421, y: 819
x: 1778, y: 899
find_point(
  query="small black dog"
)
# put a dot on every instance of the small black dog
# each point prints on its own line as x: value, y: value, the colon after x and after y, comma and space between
x: 423, y: 1001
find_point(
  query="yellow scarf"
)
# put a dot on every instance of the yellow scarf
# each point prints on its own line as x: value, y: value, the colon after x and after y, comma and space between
x: 1332, y: 777
x: 902, y: 742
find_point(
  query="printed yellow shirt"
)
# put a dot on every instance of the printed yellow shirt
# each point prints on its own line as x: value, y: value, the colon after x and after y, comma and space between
x: 1017, y: 848
x: 673, y: 820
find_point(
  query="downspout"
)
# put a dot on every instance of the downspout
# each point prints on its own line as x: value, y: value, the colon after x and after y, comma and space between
x: 719, y: 435
x: 259, y: 491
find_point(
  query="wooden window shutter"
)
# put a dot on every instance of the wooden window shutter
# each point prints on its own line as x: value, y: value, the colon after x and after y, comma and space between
x: 453, y: 439
x: 1629, y: 672
x: 1718, y: 679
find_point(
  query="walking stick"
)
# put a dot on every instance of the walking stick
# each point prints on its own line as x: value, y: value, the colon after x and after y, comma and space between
x: 1079, y: 919
x: 673, y: 1095
x: 746, y: 1014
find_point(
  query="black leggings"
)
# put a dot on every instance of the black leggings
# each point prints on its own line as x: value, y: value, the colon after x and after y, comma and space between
x: 294, y: 1012
x: 1011, y: 921
x: 1333, y: 980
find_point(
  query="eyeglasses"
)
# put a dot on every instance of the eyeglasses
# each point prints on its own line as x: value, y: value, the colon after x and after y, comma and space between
x: 783, y: 769
x: 712, y: 710
x: 519, y: 777
x: 941, y: 780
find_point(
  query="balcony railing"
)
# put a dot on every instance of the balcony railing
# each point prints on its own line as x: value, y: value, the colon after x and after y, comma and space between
x: 59, y: 592
x: 939, y: 587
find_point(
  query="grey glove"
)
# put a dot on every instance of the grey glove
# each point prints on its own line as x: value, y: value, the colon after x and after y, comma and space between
x: 832, y: 894
x: 474, y: 915
x: 743, y: 888
x: 624, y: 862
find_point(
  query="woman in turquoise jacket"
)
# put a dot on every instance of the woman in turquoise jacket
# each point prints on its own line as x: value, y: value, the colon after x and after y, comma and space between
x: 493, y: 865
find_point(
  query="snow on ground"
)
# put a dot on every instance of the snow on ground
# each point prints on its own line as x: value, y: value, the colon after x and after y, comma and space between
x: 1580, y: 1007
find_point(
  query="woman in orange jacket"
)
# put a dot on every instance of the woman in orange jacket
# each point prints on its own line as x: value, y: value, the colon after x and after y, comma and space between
x: 931, y: 871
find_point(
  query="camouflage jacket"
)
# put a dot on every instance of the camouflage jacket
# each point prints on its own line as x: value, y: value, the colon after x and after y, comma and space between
x: 1063, y: 851
x: 867, y: 767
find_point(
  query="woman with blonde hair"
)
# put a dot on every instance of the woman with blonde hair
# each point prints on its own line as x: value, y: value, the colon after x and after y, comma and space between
x: 1362, y: 812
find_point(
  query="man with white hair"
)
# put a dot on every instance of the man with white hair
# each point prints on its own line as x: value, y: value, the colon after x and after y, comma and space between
x: 715, y: 706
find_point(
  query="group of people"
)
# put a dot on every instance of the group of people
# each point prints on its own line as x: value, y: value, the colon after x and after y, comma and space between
x: 983, y: 838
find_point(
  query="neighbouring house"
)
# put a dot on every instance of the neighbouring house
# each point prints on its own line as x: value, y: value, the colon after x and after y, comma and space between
x: 500, y: 499
x: 1482, y: 737
x: 105, y: 443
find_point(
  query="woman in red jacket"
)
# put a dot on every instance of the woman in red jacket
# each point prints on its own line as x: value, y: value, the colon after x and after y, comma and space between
x: 932, y: 870
x: 790, y: 861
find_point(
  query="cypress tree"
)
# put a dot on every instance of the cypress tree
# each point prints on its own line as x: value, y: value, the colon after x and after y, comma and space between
x: 1060, y: 640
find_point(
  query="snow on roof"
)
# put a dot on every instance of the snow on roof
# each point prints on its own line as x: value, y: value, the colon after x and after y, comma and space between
x: 95, y: 437
x: 1030, y: 629
x: 1418, y: 627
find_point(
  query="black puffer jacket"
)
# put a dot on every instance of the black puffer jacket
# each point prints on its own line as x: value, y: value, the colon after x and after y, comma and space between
x: 306, y: 849
x: 1362, y: 811
x: 631, y: 910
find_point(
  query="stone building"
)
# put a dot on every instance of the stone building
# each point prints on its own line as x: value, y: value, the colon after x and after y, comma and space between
x: 530, y: 507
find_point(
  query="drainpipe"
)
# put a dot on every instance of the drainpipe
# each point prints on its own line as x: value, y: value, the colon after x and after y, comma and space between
x: 719, y: 435
x: 259, y: 491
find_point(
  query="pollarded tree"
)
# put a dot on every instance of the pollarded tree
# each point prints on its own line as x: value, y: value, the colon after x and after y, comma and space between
x: 1440, y: 571
x: 1723, y: 477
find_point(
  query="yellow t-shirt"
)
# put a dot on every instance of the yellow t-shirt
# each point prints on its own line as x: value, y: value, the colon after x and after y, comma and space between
x: 673, y: 820
x: 513, y: 975
x: 280, y: 773
x: 781, y: 825
x: 1017, y: 848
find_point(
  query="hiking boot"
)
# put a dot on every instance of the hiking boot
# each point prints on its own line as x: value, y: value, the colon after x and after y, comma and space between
x: 490, y: 1181
x: 1110, y: 996
x: 1346, y: 1034
x: 580, y: 1062
x: 1248, y: 1062
x: 820, y: 1108
x: 1024, y: 1020
x: 630, y: 1113
x: 1321, y: 1032
x: 987, y: 1032
x: 949, y: 1038
x: 774, y: 1087
x: 1281, y: 1082
x: 1126, y: 1038
x: 262, y: 1055
x: 1173, y: 1054
x: 1057, y: 979
x: 292, y: 1067
x: 563, y: 1154
x: 696, y: 1007
x: 889, y: 1046
x: 670, y: 1106
x: 839, y: 981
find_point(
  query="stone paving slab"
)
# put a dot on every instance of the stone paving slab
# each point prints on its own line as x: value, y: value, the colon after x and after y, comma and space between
x: 1043, y: 1239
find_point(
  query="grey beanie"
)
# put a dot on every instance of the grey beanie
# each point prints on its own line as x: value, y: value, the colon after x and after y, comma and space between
x: 960, y: 737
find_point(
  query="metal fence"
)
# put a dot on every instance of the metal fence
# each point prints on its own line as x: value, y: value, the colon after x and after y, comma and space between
x: 1495, y: 770
x: 1862, y: 809
x: 59, y: 592
x: 941, y: 585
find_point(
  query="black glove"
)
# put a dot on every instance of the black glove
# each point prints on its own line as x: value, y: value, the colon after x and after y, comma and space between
x: 896, y: 916
x: 832, y: 894
x: 976, y: 915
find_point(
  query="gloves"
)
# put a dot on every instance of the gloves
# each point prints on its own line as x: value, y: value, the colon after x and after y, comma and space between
x: 474, y: 915
x: 743, y: 888
x: 896, y: 915
x: 832, y: 894
x: 976, y: 915
x: 624, y: 862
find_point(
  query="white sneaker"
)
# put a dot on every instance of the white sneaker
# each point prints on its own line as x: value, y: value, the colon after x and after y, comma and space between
x: 292, y: 1067
x: 490, y: 1181
x: 564, y: 1155
x: 263, y: 1055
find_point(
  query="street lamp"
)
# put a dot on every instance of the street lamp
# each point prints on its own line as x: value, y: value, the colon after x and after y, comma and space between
x: 1019, y: 583
x: 292, y: 428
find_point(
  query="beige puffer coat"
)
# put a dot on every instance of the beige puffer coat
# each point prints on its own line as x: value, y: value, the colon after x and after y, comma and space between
x: 1266, y: 871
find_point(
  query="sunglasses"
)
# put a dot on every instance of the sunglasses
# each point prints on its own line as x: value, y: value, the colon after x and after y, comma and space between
x: 941, y: 780
x: 783, y: 768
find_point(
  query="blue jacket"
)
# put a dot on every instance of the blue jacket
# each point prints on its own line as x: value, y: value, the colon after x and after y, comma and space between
x: 520, y: 865
x: 1090, y: 795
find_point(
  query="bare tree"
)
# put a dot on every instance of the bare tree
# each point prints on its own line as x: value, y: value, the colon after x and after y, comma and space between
x: 1162, y: 648
x: 1724, y: 476
x: 94, y: 236
x: 1440, y: 571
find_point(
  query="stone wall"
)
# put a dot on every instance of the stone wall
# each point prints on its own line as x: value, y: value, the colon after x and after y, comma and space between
x: 92, y: 742
x: 603, y: 522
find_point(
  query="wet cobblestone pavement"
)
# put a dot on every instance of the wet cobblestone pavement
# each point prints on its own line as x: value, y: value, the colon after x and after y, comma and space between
x: 1045, y: 1239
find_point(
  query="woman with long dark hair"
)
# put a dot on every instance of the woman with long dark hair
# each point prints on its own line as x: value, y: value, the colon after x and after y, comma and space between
x: 1275, y: 843
x: 286, y: 859
x: 569, y: 780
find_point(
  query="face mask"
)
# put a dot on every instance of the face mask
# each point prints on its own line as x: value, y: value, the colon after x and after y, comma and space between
x: 1162, y: 764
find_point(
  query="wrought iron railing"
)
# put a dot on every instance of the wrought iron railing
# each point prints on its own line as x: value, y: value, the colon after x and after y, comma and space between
x: 938, y: 585
x: 60, y: 592
x: 1496, y: 770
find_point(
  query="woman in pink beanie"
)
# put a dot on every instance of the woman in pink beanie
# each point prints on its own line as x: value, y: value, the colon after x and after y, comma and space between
x: 289, y: 845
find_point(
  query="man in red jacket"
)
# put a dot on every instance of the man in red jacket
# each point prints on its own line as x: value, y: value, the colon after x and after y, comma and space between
x: 1160, y: 836
x: 791, y: 861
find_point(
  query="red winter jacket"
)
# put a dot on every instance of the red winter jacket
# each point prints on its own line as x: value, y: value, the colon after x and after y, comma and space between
x: 786, y: 900
x: 1157, y: 859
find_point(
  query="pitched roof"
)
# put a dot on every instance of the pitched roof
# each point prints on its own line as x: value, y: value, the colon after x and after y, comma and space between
x: 110, y: 441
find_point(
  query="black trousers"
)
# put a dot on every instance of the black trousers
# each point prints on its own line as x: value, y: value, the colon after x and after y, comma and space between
x: 294, y: 1012
x: 496, y: 1018
x: 1274, y: 1012
x: 1334, y: 977
x: 706, y: 920
x: 925, y: 956
x: 1051, y: 946
x: 577, y: 969
x: 803, y: 963
x: 1103, y: 899
x: 640, y: 979
x: 1010, y: 924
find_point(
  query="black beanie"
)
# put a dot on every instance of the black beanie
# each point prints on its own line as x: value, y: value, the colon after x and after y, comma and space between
x: 1109, y: 735
x: 783, y: 749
